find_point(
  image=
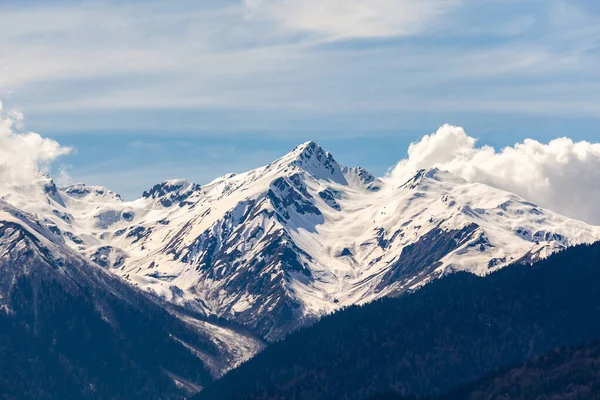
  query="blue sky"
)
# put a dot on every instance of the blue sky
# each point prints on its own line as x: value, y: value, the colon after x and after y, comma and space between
x: 150, y: 90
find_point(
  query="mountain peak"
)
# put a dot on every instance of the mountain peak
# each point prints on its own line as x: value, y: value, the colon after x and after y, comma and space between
x: 308, y: 144
x: 82, y: 191
x: 431, y: 174
x: 307, y: 151
x: 171, y: 191
x: 311, y: 157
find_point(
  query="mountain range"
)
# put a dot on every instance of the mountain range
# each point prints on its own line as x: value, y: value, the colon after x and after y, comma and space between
x: 248, y: 258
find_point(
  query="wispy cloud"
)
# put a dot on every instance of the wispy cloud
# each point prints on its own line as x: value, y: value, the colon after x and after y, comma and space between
x: 351, y: 19
x: 254, y: 61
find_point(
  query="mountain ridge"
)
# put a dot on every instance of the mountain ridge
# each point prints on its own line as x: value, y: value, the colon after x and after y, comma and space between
x: 279, y: 246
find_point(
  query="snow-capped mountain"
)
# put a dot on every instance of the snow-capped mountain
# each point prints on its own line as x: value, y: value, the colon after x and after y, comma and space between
x: 284, y: 244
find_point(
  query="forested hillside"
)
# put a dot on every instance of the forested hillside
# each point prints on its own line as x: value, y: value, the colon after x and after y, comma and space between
x: 452, y: 332
x: 563, y: 373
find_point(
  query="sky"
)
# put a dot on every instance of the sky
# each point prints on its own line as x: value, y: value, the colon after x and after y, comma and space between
x: 144, y: 91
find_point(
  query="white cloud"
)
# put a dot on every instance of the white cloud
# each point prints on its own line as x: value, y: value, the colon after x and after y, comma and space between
x: 561, y: 175
x: 24, y: 156
x: 343, y: 19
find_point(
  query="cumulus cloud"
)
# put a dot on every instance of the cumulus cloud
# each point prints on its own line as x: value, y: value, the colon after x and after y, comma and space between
x: 24, y: 156
x: 561, y: 175
x: 345, y: 19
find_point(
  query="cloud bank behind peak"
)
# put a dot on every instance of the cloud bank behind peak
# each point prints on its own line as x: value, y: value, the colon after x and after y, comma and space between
x: 24, y: 156
x: 561, y: 175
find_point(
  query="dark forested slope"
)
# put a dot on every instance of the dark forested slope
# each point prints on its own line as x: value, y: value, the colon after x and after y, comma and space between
x: 56, y: 345
x: 451, y: 332
x: 68, y: 330
x: 566, y: 373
